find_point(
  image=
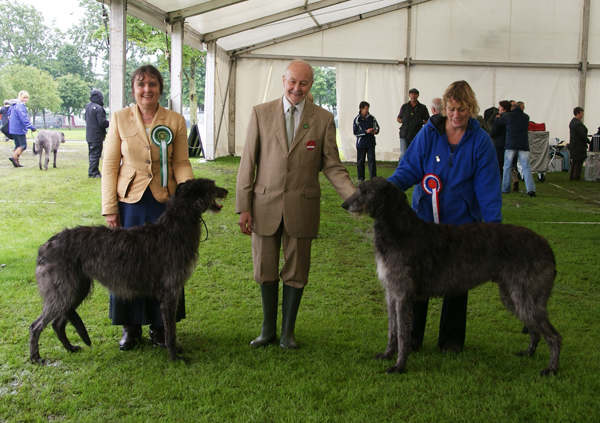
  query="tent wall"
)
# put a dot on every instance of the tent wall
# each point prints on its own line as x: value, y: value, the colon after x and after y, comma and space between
x: 508, y: 49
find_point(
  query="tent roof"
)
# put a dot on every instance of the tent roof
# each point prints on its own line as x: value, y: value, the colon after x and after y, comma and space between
x: 246, y: 25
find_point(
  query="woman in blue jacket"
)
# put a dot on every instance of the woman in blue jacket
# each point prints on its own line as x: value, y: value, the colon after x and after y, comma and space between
x: 18, y: 125
x: 452, y: 164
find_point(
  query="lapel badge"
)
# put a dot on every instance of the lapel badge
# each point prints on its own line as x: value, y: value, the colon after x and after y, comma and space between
x: 437, y: 159
x: 305, y: 126
x: 310, y: 145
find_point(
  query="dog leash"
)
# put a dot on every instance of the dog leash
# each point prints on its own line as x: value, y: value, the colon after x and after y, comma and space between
x: 432, y: 185
x: 205, y: 229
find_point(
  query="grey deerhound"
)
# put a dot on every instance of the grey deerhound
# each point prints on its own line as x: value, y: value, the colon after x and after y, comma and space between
x: 154, y: 260
x: 47, y: 141
x: 417, y: 260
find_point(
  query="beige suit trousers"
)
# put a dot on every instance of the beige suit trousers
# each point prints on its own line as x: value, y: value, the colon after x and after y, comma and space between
x: 296, y: 254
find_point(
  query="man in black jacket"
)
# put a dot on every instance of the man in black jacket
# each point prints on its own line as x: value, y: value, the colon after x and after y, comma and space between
x: 578, y: 141
x: 517, y: 144
x: 95, y: 130
x: 413, y: 115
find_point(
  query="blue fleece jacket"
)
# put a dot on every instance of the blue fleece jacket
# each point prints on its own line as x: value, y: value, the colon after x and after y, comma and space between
x: 470, y: 191
x: 18, y: 123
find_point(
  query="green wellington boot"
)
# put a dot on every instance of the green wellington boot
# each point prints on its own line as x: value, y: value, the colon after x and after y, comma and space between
x: 270, y: 301
x: 291, y: 302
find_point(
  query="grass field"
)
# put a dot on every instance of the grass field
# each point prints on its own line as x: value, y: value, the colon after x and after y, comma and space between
x: 342, y: 323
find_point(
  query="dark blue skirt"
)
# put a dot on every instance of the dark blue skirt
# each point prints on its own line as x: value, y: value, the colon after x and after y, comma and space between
x: 140, y: 311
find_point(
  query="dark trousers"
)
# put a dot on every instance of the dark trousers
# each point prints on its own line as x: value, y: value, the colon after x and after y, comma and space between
x: 95, y: 152
x: 369, y: 153
x: 576, y: 166
x: 453, y: 322
x: 500, y: 157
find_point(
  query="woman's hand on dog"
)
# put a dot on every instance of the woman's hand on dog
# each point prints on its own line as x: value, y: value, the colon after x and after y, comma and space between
x: 113, y: 220
x: 246, y: 223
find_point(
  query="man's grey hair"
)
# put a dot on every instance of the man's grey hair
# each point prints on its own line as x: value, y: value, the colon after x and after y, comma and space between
x: 436, y: 104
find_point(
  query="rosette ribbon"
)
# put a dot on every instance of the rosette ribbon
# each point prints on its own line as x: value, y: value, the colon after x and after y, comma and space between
x: 432, y: 186
x: 162, y: 136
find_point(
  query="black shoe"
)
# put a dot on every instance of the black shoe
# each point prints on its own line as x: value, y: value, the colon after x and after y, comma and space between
x: 14, y: 162
x: 531, y: 194
x: 132, y: 335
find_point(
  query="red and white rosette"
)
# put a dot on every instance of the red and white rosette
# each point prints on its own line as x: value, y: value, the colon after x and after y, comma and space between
x: 432, y: 185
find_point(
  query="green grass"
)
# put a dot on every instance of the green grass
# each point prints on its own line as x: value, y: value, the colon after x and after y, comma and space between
x: 342, y: 323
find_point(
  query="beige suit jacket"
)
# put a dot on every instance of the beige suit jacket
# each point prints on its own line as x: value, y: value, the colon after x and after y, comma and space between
x: 132, y: 162
x: 274, y: 183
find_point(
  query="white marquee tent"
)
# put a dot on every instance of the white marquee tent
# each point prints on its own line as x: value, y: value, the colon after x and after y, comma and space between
x: 543, y: 52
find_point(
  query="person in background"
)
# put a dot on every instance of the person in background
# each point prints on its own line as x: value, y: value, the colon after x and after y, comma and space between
x: 436, y: 106
x: 18, y: 126
x: 278, y: 194
x: 498, y: 135
x: 451, y: 157
x: 365, y: 128
x: 4, y: 114
x: 413, y: 115
x: 578, y: 141
x: 137, y: 182
x: 517, y: 144
x: 95, y: 131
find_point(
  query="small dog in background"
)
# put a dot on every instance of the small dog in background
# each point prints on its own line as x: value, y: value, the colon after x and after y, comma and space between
x: 153, y: 260
x: 47, y: 141
x: 417, y: 260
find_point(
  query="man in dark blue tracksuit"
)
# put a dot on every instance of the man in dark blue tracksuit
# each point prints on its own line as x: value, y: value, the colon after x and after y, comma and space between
x: 365, y: 129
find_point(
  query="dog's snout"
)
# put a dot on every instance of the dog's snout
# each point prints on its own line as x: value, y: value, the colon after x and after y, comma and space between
x: 345, y: 205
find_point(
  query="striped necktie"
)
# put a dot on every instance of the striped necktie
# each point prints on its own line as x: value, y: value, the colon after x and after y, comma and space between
x: 289, y: 125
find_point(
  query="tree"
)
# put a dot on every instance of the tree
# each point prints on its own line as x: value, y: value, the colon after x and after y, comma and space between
x: 24, y: 39
x: 42, y: 89
x: 323, y: 88
x: 74, y: 93
x: 90, y: 36
x: 68, y: 61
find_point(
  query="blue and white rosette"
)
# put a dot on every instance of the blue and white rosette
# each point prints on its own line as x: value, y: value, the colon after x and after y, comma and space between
x: 162, y: 136
x: 432, y: 186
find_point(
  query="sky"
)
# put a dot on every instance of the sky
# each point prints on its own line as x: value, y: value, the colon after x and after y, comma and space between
x: 65, y: 12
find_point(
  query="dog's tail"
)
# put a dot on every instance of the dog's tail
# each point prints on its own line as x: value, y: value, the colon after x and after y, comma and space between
x: 34, y: 152
x: 79, y: 327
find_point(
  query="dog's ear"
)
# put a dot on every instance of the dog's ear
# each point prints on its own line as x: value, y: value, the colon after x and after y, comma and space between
x: 183, y: 188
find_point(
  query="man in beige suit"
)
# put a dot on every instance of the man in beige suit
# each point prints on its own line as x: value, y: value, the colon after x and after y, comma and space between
x: 278, y: 194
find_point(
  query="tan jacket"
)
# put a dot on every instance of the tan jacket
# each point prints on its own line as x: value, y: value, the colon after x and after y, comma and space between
x: 132, y: 162
x: 273, y: 183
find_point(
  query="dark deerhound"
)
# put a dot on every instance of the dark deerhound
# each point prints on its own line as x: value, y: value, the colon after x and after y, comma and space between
x: 417, y: 260
x: 154, y: 260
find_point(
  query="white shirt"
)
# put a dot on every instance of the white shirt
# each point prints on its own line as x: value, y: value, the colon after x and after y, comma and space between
x: 297, y: 114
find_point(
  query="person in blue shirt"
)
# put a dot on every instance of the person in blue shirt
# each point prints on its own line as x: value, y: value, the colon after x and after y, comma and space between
x: 365, y: 129
x: 453, y: 167
x: 18, y: 125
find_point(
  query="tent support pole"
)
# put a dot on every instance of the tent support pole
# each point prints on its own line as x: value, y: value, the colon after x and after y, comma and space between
x: 407, y: 61
x: 585, y: 29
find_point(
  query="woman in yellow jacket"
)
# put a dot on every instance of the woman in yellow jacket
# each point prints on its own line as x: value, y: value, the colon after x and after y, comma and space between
x: 145, y: 158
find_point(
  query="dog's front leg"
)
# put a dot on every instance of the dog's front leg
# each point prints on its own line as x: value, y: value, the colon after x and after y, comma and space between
x: 392, y: 329
x: 404, y: 323
x: 168, y: 307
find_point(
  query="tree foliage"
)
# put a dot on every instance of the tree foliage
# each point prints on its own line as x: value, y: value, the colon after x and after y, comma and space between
x: 74, y: 93
x: 24, y: 39
x: 323, y: 88
x: 42, y: 89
